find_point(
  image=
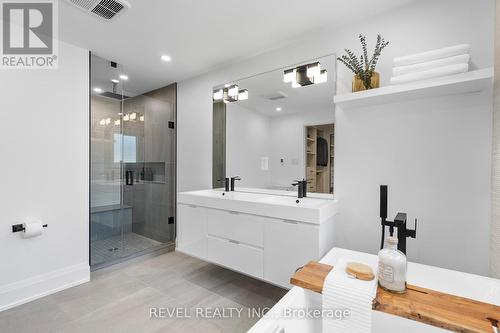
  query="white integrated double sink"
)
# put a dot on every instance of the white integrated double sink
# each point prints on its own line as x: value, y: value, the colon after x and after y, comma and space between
x: 310, y: 210
x: 259, y: 234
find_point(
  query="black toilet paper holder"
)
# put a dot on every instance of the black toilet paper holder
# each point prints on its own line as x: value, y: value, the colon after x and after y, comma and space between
x: 19, y: 227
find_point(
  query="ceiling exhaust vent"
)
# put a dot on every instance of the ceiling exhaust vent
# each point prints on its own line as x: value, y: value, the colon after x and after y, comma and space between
x: 106, y: 10
x: 275, y: 96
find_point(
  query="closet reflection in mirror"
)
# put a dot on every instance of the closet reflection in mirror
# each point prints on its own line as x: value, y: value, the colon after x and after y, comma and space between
x: 277, y: 127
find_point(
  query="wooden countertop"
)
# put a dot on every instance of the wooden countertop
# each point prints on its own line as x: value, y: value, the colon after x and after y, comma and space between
x: 434, y: 308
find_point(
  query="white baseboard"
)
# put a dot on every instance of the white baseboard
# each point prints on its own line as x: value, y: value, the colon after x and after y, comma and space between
x: 27, y: 290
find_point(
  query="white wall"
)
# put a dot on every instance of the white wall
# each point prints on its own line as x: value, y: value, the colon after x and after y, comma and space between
x: 288, y: 142
x: 495, y: 179
x: 425, y: 24
x: 247, y: 141
x: 435, y: 156
x: 45, y: 167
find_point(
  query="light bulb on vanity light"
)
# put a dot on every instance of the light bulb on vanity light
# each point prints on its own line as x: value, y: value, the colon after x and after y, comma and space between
x: 322, y: 77
x: 165, y: 58
x: 115, y: 81
x: 313, y: 70
x: 290, y: 75
x: 243, y: 95
x: 117, y: 122
x: 107, y: 121
x: 218, y: 94
x: 279, y: 109
x: 141, y: 118
x: 102, y: 122
x: 233, y: 91
x: 123, y: 77
x: 126, y: 117
x: 133, y: 116
x: 98, y: 90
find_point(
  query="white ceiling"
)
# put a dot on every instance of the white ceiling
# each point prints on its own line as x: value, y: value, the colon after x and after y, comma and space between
x: 202, y: 35
x: 312, y: 98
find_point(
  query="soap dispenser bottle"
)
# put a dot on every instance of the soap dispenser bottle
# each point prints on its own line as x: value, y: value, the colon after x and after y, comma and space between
x: 392, y: 266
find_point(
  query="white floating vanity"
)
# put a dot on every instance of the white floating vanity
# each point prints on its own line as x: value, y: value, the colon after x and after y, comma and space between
x: 258, y: 234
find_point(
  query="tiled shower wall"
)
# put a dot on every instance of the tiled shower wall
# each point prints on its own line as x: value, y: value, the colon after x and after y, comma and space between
x: 495, y: 222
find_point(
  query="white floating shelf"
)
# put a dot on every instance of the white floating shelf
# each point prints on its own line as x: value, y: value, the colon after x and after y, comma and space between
x: 473, y: 81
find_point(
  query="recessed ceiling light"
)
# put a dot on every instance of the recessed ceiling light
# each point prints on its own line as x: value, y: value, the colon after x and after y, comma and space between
x: 115, y: 81
x: 98, y: 90
x: 165, y: 57
x: 279, y: 109
x: 123, y: 77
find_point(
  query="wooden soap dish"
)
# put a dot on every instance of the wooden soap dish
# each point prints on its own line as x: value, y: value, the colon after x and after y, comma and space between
x: 442, y: 310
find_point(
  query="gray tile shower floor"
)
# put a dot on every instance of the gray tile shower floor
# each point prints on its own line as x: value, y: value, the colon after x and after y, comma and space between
x: 119, y: 298
x: 117, y: 247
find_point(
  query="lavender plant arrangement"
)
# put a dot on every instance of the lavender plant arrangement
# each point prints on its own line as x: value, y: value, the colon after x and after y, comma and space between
x: 363, y: 68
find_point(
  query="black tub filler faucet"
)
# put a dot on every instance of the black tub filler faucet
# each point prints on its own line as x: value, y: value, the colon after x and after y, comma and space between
x: 399, y: 223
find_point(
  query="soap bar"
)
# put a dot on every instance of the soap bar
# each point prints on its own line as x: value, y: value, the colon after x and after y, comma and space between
x: 360, y: 271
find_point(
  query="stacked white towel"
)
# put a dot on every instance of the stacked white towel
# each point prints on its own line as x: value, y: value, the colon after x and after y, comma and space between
x: 431, y: 64
x: 342, y: 292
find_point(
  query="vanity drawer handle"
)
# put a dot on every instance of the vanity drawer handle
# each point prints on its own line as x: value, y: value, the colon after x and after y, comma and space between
x: 233, y: 212
x: 233, y: 241
x: 290, y: 222
x: 192, y: 206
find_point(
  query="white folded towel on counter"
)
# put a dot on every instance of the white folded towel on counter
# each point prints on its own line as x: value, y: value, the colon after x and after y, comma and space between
x: 424, y: 66
x: 429, y: 74
x: 341, y: 292
x: 432, y: 55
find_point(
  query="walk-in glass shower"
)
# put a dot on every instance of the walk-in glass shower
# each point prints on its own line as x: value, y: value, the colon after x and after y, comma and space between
x: 132, y: 169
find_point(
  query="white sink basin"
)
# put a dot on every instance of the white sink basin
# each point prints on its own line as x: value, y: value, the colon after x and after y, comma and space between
x: 294, y: 202
x: 230, y: 195
x: 311, y: 210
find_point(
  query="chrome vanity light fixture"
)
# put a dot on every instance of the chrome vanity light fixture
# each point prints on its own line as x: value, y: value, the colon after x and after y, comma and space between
x: 305, y: 75
x: 231, y: 93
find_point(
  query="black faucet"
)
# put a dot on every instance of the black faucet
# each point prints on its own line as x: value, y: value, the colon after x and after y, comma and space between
x: 399, y: 222
x: 226, y: 183
x: 301, y: 188
x: 233, y: 179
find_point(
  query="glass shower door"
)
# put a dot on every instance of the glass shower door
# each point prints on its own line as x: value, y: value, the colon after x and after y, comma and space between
x: 132, y: 166
x: 152, y: 195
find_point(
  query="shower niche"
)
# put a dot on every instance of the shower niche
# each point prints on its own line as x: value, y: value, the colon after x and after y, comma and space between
x: 132, y: 178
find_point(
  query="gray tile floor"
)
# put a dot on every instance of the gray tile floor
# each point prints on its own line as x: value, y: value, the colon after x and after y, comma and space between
x: 119, y: 298
x: 116, y: 247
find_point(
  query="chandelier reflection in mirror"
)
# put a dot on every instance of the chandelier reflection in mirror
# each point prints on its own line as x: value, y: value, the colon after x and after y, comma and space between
x: 230, y: 94
x: 305, y: 75
x: 133, y: 116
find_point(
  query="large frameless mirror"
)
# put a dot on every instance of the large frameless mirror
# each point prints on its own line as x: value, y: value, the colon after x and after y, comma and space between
x: 275, y: 128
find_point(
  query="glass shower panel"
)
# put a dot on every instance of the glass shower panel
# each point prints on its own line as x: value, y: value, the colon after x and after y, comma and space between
x: 107, y: 213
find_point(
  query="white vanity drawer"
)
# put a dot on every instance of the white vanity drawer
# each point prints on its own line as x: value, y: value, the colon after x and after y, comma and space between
x: 248, y: 229
x: 192, y: 230
x: 237, y: 256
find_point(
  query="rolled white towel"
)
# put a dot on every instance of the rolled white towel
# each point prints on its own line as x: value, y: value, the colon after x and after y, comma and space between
x: 341, y: 292
x: 425, y: 66
x: 433, y: 73
x: 432, y: 55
